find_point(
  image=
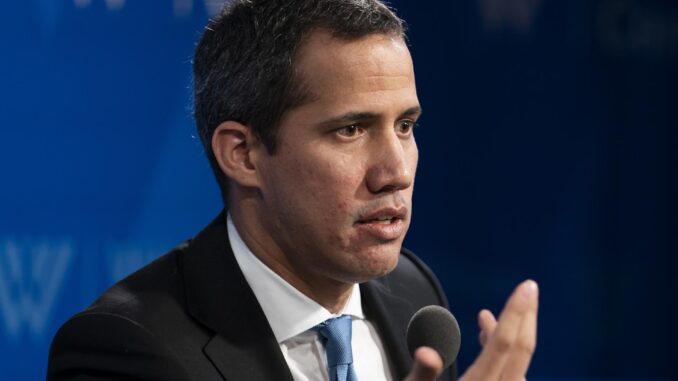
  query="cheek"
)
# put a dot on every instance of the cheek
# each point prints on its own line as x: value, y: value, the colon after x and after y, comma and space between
x: 334, y: 182
x: 323, y: 184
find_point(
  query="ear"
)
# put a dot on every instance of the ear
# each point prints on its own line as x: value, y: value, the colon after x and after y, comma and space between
x: 234, y: 146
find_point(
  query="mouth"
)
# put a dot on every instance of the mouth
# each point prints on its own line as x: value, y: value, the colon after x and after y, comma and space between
x: 383, y: 215
x: 380, y: 220
x: 384, y: 224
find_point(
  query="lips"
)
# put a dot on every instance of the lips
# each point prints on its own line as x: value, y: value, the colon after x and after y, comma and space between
x: 384, y: 215
x: 384, y: 224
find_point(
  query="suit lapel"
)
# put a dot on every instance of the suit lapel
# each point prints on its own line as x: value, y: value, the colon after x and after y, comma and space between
x: 217, y: 294
x: 391, y: 315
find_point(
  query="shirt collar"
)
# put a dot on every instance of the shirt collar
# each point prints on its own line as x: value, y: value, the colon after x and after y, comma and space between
x: 288, y: 311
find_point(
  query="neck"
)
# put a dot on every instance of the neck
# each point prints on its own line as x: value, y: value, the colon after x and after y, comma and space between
x: 329, y: 293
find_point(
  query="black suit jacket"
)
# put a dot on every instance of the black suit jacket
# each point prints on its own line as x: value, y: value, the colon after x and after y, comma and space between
x: 190, y: 315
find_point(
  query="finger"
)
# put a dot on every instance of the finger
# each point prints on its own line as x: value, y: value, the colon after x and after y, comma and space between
x: 428, y: 365
x: 517, y: 365
x: 487, y: 324
x: 490, y: 363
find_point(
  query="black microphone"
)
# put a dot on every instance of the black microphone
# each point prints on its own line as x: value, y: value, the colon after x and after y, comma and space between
x: 435, y: 327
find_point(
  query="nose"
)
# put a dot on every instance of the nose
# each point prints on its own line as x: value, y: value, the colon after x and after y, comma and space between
x: 393, y: 165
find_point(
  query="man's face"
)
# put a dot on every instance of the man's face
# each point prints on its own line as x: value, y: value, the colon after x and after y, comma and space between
x: 337, y: 194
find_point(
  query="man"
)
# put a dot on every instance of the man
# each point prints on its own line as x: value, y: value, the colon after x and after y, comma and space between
x: 306, y: 109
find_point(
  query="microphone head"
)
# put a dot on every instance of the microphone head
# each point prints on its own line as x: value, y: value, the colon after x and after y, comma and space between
x: 435, y: 327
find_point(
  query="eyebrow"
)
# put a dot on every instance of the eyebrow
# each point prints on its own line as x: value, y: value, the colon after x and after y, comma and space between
x: 361, y: 116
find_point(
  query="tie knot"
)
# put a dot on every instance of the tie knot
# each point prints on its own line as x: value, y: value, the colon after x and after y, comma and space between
x: 335, y: 334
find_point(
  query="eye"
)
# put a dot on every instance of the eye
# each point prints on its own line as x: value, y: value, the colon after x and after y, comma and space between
x: 405, y: 127
x: 351, y: 131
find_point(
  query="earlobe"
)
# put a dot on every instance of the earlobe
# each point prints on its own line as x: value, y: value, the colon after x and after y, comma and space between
x: 233, y: 145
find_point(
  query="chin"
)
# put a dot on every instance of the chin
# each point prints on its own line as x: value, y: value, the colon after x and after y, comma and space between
x: 375, y: 263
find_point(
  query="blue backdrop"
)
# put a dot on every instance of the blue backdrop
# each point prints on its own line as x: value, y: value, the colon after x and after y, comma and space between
x: 547, y: 150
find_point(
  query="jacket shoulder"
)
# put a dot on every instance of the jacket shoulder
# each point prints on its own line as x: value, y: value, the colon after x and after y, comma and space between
x: 104, y: 346
x: 149, y: 291
x: 137, y: 329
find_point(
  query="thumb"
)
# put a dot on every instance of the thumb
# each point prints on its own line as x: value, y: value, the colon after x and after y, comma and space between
x: 427, y: 365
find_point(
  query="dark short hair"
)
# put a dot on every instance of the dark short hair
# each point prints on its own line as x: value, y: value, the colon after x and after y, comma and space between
x: 243, y: 68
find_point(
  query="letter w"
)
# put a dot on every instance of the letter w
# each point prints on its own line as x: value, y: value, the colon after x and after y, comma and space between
x: 31, y: 276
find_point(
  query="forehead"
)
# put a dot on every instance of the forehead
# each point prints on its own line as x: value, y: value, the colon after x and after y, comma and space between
x: 331, y: 66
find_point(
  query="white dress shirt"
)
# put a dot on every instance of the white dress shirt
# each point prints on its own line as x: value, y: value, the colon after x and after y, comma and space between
x: 292, y: 315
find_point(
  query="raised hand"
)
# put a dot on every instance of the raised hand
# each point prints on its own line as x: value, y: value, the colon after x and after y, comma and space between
x: 508, y: 343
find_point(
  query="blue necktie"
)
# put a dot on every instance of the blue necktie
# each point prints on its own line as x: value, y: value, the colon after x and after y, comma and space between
x: 335, y: 335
